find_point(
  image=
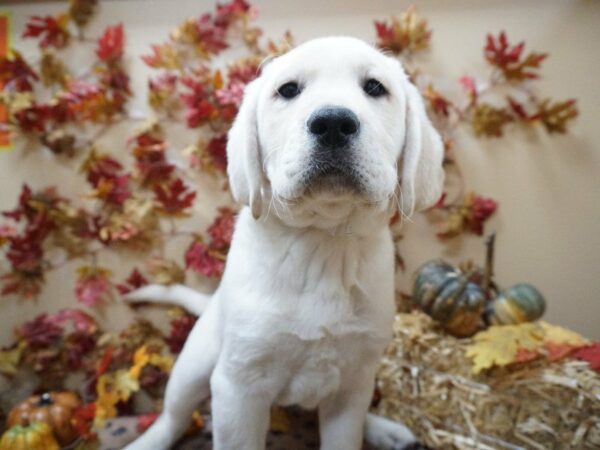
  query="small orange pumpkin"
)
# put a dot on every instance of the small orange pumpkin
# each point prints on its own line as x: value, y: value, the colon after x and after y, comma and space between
x: 52, y: 408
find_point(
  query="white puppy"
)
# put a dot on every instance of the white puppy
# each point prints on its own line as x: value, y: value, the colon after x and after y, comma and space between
x: 329, y: 141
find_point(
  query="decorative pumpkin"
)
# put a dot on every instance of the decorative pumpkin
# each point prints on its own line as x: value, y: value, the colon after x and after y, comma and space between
x: 448, y: 296
x: 36, y: 436
x: 517, y: 304
x: 52, y: 408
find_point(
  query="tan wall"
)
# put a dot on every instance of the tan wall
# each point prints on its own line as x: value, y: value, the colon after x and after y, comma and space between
x: 548, y: 189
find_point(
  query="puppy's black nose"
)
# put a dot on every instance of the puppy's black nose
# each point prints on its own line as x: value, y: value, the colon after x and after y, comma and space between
x: 333, y: 126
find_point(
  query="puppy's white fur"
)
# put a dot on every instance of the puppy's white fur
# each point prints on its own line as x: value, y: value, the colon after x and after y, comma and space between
x: 306, y: 303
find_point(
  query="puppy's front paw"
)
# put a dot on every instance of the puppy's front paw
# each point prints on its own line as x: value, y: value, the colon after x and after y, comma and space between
x: 385, y: 434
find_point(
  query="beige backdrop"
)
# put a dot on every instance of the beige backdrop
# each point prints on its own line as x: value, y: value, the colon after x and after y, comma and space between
x: 548, y: 221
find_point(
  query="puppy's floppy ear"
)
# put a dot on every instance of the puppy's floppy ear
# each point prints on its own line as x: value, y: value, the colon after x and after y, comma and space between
x: 244, y: 162
x: 421, y: 172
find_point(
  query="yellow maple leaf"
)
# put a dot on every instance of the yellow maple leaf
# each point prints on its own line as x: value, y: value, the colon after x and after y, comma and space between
x: 560, y: 335
x: 498, y: 345
x: 162, y: 362
x: 142, y: 357
x: 113, y: 388
x: 9, y: 359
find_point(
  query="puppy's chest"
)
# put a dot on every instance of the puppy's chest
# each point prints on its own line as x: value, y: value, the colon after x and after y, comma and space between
x: 302, y: 364
x: 317, y: 368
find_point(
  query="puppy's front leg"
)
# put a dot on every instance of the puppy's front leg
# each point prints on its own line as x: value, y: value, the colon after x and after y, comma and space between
x: 342, y: 416
x: 240, y: 414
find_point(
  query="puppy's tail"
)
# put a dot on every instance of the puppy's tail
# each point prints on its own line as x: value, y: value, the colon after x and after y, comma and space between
x: 192, y: 301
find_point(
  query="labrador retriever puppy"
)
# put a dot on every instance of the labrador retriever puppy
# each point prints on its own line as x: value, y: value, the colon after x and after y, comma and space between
x: 330, y: 140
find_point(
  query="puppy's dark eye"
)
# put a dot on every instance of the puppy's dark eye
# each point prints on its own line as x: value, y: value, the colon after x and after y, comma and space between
x: 374, y: 88
x: 289, y: 90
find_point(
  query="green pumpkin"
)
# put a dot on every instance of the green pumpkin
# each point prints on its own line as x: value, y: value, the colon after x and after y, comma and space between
x: 517, y: 304
x: 35, y: 436
x: 449, y: 297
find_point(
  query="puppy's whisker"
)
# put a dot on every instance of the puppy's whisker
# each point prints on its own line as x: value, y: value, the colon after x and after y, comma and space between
x: 400, y: 201
x: 275, y: 200
x: 269, y: 208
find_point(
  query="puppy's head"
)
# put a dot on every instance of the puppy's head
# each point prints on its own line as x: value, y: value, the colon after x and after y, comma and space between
x: 332, y: 126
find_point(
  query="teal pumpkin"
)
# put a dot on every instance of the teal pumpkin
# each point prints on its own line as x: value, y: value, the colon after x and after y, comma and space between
x: 517, y: 304
x: 447, y: 295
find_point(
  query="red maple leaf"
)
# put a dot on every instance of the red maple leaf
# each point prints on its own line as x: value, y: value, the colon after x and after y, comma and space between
x: 180, y: 329
x: 116, y: 80
x: 40, y: 332
x: 51, y: 30
x: 33, y: 118
x: 105, y: 174
x: 232, y: 94
x: 101, y: 166
x: 507, y: 58
x: 199, y: 108
x: 25, y: 252
x: 227, y: 12
x: 199, y: 113
x: 82, y: 322
x: 556, y: 351
x: 77, y: 345
x: 15, y: 73
x: 117, y: 189
x: 92, y: 287
x: 151, y: 161
x: 591, y: 354
x: 524, y: 355
x: 135, y: 280
x: 173, y: 197
x: 84, y: 100
x: 211, y: 34
x: 82, y: 420
x: 203, y: 260
x: 22, y: 206
x: 221, y: 230
x: 111, y: 43
x: 385, y: 33
x: 244, y: 71
x: 23, y: 284
x: 217, y: 150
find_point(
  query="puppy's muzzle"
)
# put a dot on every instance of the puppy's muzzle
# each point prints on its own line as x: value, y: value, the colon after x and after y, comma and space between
x: 333, y: 127
x: 331, y: 165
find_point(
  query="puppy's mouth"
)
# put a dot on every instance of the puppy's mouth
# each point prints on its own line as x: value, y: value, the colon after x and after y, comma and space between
x: 332, y: 179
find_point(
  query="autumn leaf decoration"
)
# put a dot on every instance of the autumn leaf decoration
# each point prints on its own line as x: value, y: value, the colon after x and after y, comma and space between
x: 501, y: 345
x: 487, y: 110
x: 407, y: 32
x: 50, y: 30
x: 208, y: 259
x: 591, y: 354
x: 510, y: 59
x: 471, y: 215
x: 118, y: 386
